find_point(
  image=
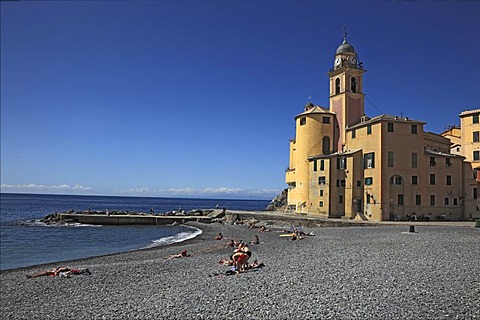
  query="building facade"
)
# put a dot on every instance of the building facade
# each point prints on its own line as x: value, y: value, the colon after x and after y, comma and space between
x: 344, y: 164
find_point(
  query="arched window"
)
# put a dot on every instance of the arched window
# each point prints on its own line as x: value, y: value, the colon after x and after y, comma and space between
x: 326, y: 145
x: 353, y: 84
x: 337, y: 86
x: 396, y: 180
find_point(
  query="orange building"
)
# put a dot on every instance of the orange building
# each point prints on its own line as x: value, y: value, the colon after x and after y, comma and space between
x: 344, y: 164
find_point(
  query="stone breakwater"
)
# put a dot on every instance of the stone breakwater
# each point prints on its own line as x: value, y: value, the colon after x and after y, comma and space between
x: 126, y: 217
x: 378, y: 272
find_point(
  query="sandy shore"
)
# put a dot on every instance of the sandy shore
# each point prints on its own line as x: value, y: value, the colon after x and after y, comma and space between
x: 378, y: 272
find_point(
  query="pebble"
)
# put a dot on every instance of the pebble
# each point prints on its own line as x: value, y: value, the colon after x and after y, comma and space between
x: 367, y: 272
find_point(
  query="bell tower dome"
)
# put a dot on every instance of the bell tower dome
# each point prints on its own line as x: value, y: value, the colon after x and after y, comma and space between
x: 345, y: 55
x: 346, y: 90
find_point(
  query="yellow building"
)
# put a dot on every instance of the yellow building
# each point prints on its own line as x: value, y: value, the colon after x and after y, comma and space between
x: 344, y: 164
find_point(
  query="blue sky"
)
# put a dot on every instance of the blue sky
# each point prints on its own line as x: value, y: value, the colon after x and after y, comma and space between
x: 198, y: 98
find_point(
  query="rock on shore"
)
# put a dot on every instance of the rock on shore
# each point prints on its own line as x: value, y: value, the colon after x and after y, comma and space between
x: 279, y: 203
x: 340, y: 273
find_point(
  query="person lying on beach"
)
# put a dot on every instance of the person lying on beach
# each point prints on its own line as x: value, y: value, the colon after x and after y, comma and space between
x: 60, y: 271
x: 232, y: 244
x: 256, y: 264
x: 256, y: 240
x: 183, y: 254
x: 226, y: 262
x: 233, y: 271
x: 251, y: 225
x: 51, y: 272
x: 296, y: 236
x: 263, y: 229
x: 219, y: 236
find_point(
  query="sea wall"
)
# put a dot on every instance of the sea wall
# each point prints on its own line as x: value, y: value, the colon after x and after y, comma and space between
x: 130, y: 219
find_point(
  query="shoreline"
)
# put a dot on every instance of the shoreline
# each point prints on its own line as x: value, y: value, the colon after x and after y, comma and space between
x: 338, y: 273
x: 278, y: 219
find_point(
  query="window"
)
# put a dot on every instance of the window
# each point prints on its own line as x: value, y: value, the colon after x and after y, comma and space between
x: 414, y: 129
x: 320, y: 204
x: 353, y: 84
x: 418, y: 200
x: 368, y: 198
x: 448, y: 163
x: 359, y: 183
x: 476, y: 155
x: 391, y: 162
x: 396, y: 180
x: 340, y: 199
x: 354, y: 134
x: 400, y: 199
x: 449, y: 180
x: 369, y: 129
x: 322, y: 165
x: 321, y: 180
x: 314, y: 165
x: 414, y: 160
x: 369, y: 160
x: 475, y: 193
x: 368, y: 181
x: 455, y: 201
x: 475, y: 173
x: 432, y: 162
x: 390, y: 127
x: 303, y: 121
x: 432, y: 179
x: 326, y: 120
x: 475, y: 136
x: 475, y: 118
x: 432, y: 199
x: 337, y: 86
x: 414, y: 180
x: 446, y: 201
x: 341, y: 163
x: 321, y: 193
x: 326, y: 145
x: 341, y: 183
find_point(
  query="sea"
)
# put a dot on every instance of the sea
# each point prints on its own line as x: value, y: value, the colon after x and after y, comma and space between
x: 25, y: 241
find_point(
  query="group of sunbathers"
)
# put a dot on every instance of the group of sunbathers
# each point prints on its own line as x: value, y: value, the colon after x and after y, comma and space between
x: 240, y: 257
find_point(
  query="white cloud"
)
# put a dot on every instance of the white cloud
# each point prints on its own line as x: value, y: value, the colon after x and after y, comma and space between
x: 42, y: 188
x: 200, y: 192
x: 220, y: 192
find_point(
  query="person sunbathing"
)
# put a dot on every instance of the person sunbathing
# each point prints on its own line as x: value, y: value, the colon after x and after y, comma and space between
x: 263, y: 229
x: 51, y: 272
x: 296, y: 236
x: 226, y: 262
x: 183, y: 254
x: 256, y: 264
x: 256, y: 240
x: 219, y: 237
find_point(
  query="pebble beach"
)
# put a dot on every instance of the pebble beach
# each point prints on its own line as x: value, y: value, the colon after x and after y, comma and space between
x: 354, y: 272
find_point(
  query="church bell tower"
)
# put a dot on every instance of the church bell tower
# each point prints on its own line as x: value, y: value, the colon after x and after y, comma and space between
x: 346, y: 91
